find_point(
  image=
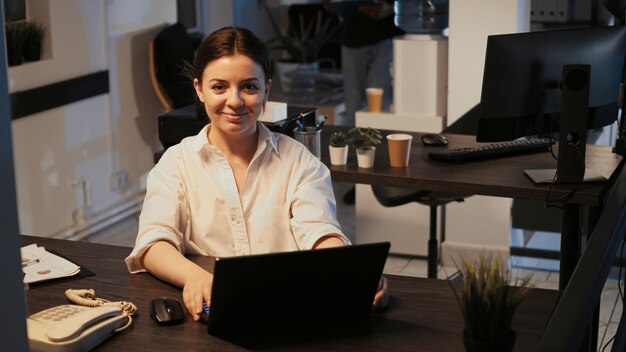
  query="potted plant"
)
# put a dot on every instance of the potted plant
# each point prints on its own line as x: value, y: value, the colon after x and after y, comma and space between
x: 16, y: 35
x: 187, y: 71
x: 364, y: 141
x: 300, y: 44
x: 487, y: 303
x: 305, y: 38
x: 338, y: 148
x: 32, y: 45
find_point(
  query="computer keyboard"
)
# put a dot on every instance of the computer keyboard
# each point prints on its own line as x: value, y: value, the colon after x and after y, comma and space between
x: 492, y: 150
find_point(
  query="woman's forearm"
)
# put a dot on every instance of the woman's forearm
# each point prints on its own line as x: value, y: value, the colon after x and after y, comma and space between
x: 164, y: 261
x: 329, y: 241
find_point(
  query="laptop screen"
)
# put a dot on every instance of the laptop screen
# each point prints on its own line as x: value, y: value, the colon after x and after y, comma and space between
x: 295, y: 287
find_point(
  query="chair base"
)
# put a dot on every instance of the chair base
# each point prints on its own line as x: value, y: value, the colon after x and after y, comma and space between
x: 395, y: 196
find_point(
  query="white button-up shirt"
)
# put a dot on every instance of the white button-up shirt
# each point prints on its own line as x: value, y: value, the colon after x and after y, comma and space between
x: 286, y: 202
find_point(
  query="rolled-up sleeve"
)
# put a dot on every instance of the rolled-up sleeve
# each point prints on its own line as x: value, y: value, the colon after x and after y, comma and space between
x: 313, y: 206
x: 165, y: 213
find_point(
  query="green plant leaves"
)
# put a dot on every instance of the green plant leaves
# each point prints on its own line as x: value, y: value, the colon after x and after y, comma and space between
x: 486, y: 300
x: 360, y: 138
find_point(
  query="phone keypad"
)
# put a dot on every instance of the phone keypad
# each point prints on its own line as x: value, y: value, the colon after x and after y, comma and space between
x: 58, y: 313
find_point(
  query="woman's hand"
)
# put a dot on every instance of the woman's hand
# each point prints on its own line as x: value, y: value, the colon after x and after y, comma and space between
x: 381, y: 299
x: 164, y: 261
x: 197, y: 290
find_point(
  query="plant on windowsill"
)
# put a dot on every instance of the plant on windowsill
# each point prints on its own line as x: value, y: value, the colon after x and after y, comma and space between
x: 34, y: 40
x: 364, y: 140
x: 16, y: 36
x: 338, y: 148
x: 488, y: 303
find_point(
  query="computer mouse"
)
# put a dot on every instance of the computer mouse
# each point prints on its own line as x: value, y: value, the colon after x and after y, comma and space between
x: 434, y: 139
x: 166, y: 311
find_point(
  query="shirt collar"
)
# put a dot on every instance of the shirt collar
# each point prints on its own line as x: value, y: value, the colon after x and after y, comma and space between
x: 265, y: 134
x: 201, y: 139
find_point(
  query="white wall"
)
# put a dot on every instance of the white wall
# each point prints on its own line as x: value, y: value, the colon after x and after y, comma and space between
x: 96, y: 137
x: 480, y: 222
x: 73, y: 52
x: 470, y: 24
x: 218, y: 14
x: 249, y: 14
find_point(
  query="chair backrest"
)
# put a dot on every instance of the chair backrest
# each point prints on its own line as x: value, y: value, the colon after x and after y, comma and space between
x: 158, y: 89
x: 571, y: 317
x: 168, y: 52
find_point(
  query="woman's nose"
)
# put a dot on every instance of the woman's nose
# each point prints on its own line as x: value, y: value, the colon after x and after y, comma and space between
x: 235, y: 99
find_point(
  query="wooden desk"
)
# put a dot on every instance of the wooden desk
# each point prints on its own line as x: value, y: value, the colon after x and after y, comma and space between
x: 422, y: 316
x: 501, y: 177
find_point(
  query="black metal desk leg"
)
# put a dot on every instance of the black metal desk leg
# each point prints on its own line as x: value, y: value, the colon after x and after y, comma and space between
x: 570, y: 242
x: 590, y: 342
x: 432, y: 244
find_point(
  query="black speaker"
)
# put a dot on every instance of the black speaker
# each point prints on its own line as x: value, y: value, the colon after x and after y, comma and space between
x: 573, y: 123
x: 178, y: 124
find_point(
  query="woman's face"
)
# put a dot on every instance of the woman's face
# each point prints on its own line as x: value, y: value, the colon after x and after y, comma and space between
x: 233, y: 91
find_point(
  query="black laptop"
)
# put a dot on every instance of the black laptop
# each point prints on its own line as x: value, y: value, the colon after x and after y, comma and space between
x: 300, y: 287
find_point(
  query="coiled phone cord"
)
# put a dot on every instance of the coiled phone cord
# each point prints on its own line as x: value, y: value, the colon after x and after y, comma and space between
x: 87, y: 297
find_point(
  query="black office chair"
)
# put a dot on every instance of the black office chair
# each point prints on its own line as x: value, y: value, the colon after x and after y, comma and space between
x: 395, y: 196
x: 167, y: 54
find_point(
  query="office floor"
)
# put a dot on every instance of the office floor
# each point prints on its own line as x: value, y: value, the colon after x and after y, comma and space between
x: 123, y: 234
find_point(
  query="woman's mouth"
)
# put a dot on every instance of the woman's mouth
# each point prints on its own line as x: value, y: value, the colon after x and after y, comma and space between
x: 234, y: 117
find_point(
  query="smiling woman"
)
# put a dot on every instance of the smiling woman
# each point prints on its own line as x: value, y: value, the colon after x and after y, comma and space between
x: 233, y: 90
x: 233, y: 79
x: 235, y: 188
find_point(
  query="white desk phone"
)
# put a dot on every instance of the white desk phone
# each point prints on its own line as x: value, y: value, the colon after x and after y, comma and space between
x: 78, y: 327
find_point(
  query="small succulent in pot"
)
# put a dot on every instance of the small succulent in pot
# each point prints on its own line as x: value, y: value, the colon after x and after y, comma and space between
x: 361, y: 138
x: 338, y: 139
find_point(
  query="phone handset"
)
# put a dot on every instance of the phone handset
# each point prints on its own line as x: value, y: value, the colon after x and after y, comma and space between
x: 87, y: 297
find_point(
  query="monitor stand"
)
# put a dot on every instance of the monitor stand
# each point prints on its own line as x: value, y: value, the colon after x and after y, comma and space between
x: 547, y: 176
x: 573, y: 127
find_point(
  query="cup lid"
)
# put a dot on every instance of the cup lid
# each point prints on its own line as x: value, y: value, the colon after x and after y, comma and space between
x: 399, y: 137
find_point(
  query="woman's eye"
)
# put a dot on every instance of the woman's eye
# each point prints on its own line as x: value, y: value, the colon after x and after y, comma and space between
x: 251, y: 87
x: 218, y: 87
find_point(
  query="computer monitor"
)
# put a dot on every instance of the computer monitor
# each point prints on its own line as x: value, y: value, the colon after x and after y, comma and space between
x: 542, y: 82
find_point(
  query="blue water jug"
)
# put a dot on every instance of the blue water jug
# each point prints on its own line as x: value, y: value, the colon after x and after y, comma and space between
x: 421, y: 16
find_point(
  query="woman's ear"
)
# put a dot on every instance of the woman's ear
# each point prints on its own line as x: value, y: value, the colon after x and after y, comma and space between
x: 198, y: 87
x: 268, y: 85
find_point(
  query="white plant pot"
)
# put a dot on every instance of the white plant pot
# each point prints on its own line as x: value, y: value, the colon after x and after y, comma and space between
x: 365, y: 157
x: 338, y: 155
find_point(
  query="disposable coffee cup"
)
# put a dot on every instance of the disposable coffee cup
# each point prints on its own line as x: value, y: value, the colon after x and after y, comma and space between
x: 311, y: 139
x: 399, y: 149
x: 374, y: 99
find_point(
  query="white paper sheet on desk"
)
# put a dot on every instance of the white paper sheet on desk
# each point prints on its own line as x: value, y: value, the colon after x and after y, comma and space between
x: 41, y: 265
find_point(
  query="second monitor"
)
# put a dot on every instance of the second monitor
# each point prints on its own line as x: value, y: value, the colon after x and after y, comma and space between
x: 539, y: 83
